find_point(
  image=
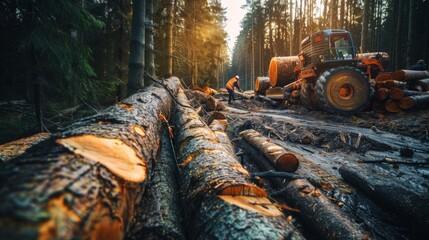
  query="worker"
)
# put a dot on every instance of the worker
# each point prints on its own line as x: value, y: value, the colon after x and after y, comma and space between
x: 420, y: 66
x: 230, y: 85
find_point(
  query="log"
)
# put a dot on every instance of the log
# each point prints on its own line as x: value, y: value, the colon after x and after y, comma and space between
x: 279, y: 157
x: 218, y: 124
x: 85, y: 182
x: 421, y: 85
x: 409, y: 75
x: 261, y: 85
x: 295, y: 94
x: 392, y: 106
x: 319, y: 213
x: 414, y: 101
x: 283, y: 70
x: 213, y: 104
x: 212, y: 176
x: 244, y: 95
x: 414, y: 93
x: 267, y: 100
x: 209, y: 91
x: 378, y: 106
x: 396, y: 93
x: 18, y: 147
x: 275, y: 93
x: 160, y: 213
x: 383, y: 76
x: 410, y: 204
x: 389, y: 84
x: 381, y: 94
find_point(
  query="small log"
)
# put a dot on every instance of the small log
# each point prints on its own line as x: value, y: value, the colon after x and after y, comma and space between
x: 396, y: 93
x: 384, y: 189
x: 244, y: 95
x: 320, y: 214
x: 267, y: 100
x: 261, y: 85
x: 279, y: 157
x: 378, y: 106
x: 383, y: 76
x: 381, y: 94
x: 409, y: 75
x: 199, y: 95
x: 209, y: 91
x: 421, y: 85
x: 414, y: 101
x: 160, y: 215
x: 212, y: 176
x: 392, y: 106
x: 213, y: 104
x: 85, y: 183
x: 283, y: 70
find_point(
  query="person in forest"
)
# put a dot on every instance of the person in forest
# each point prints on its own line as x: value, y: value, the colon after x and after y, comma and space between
x: 420, y: 66
x: 230, y: 85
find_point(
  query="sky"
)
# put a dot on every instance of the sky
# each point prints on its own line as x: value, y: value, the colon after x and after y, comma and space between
x: 234, y: 15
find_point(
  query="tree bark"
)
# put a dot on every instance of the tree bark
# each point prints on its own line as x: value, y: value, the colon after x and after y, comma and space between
x: 218, y: 123
x: 149, y: 45
x: 85, y: 182
x: 16, y: 148
x: 282, y: 160
x: 160, y: 216
x: 414, y: 101
x: 327, y: 220
x: 170, y: 21
x: 137, y: 48
x: 409, y: 75
x: 283, y: 70
x: 215, y: 186
x: 261, y: 85
x: 384, y: 189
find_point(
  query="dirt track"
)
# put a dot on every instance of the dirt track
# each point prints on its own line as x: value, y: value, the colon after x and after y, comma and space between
x: 324, y: 142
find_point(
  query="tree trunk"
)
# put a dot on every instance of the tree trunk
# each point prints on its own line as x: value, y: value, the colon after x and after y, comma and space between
x: 421, y: 85
x: 384, y: 189
x: 217, y: 190
x: 160, y: 215
x: 137, y: 48
x: 261, y: 85
x: 170, y: 21
x: 411, y: 43
x: 283, y: 70
x: 365, y: 20
x: 149, y: 47
x: 414, y: 101
x: 392, y: 106
x: 326, y: 220
x: 218, y: 123
x: 409, y: 75
x: 281, y: 160
x: 16, y: 148
x: 85, y: 182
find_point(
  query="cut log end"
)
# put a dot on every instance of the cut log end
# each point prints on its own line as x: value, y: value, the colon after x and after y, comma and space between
x: 257, y: 204
x: 113, y: 154
x: 406, y: 103
x: 244, y: 190
x: 287, y: 162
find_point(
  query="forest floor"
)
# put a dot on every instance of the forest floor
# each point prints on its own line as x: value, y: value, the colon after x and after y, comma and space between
x: 324, y: 142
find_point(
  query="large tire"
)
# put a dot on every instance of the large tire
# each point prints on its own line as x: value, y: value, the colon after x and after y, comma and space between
x: 344, y: 90
x: 307, y: 96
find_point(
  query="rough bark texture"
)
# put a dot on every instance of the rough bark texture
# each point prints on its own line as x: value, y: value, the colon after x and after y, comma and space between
x: 209, y: 171
x: 65, y: 187
x: 160, y: 216
x: 14, y: 149
x: 414, y: 101
x: 409, y: 75
x: 283, y: 70
x: 411, y: 204
x: 282, y: 160
x: 218, y: 124
x: 261, y: 85
x: 320, y: 214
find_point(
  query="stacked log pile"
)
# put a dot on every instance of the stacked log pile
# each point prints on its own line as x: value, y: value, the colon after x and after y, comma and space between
x: 87, y: 182
x: 221, y: 201
x: 400, y: 90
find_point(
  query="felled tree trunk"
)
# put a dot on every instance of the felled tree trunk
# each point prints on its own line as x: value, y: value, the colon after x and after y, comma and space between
x: 409, y: 75
x: 421, y: 85
x: 283, y: 70
x: 212, y: 176
x: 218, y: 123
x: 86, y: 182
x: 279, y: 157
x: 261, y: 85
x: 319, y: 213
x: 412, y: 206
x: 14, y: 149
x: 160, y: 214
x: 414, y: 101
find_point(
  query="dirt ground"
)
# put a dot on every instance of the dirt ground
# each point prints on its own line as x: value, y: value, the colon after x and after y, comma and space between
x: 324, y: 142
